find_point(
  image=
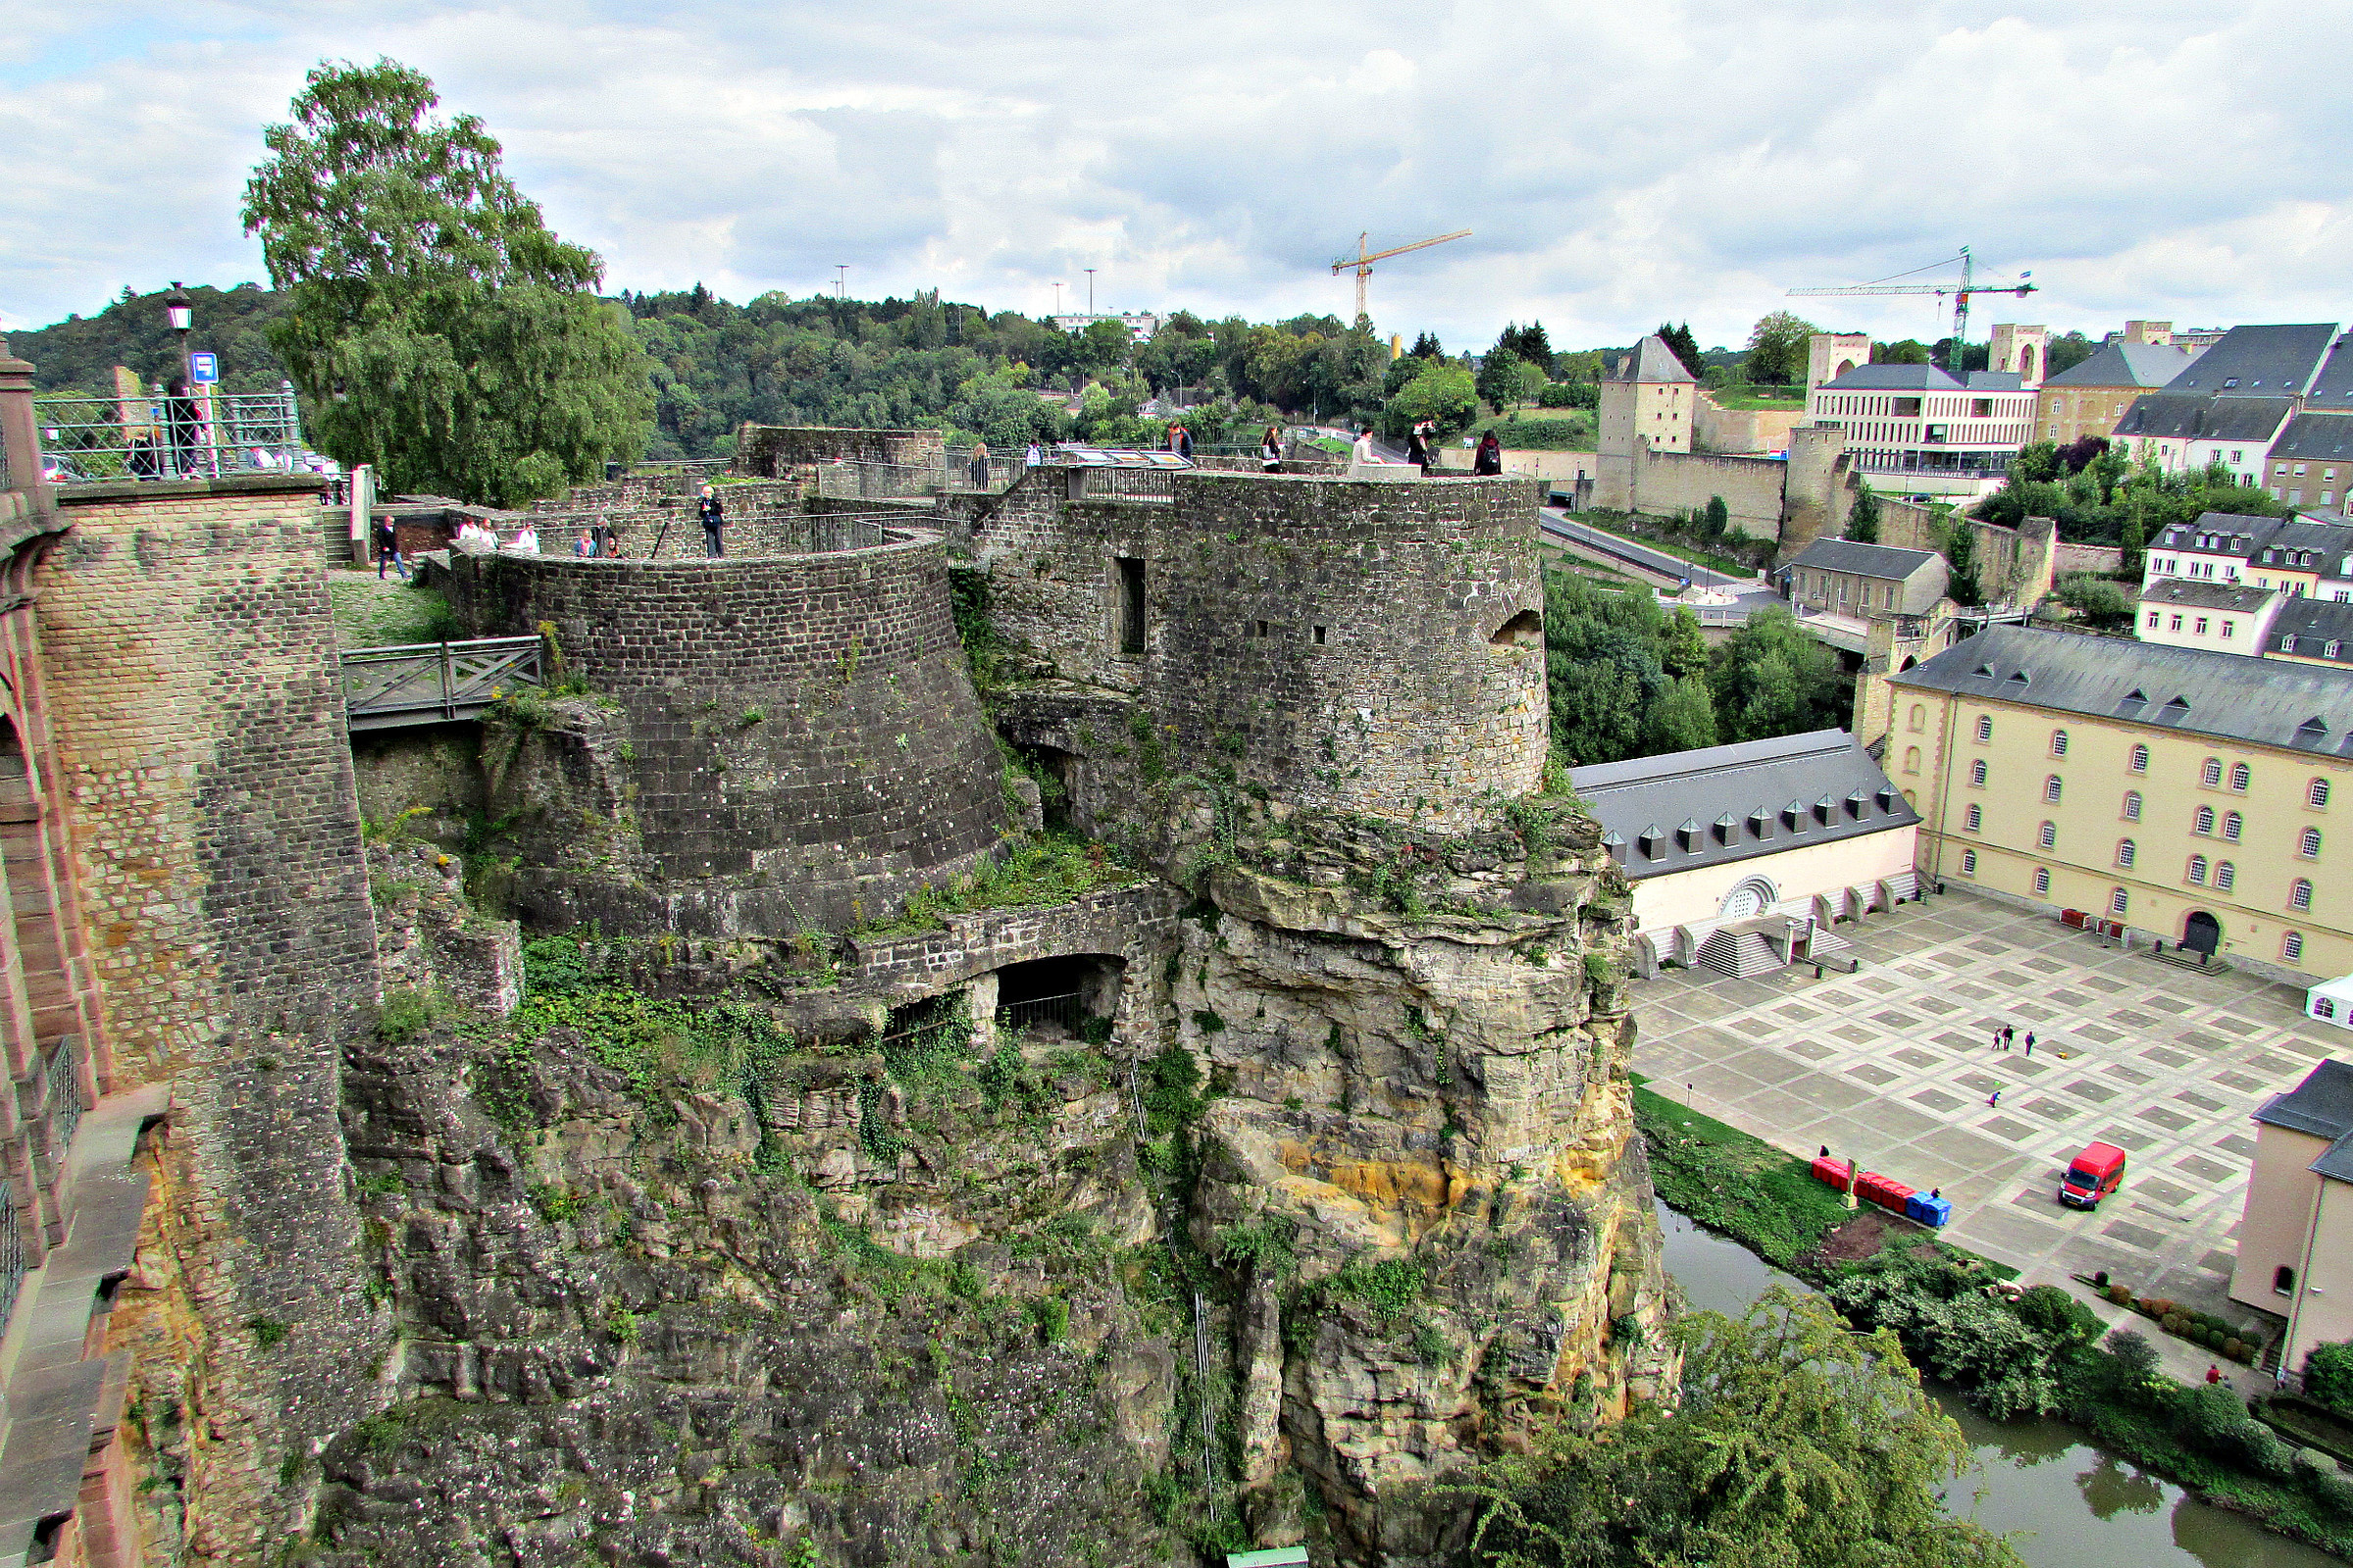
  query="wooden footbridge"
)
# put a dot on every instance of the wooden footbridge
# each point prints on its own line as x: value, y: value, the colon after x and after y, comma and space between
x: 436, y: 683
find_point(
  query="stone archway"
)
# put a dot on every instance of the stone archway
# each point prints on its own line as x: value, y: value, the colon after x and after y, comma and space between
x: 2201, y: 932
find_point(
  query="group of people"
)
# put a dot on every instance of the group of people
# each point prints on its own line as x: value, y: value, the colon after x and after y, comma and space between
x: 1487, y: 460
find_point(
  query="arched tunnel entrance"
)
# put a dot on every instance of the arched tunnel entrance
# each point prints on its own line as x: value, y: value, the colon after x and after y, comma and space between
x: 1058, y: 998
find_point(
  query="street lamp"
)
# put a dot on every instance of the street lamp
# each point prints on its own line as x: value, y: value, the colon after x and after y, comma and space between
x: 1090, y: 292
x: 181, y: 315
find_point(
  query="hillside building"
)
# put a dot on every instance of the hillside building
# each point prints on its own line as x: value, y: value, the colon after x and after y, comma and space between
x: 2296, y: 1243
x: 1912, y: 428
x: 2222, y: 616
x: 1743, y: 856
x: 2092, y: 398
x: 1842, y: 577
x: 2309, y: 464
x: 2183, y: 792
x: 2231, y: 403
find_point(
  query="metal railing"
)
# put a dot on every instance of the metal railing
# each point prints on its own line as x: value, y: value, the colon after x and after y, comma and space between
x: 878, y: 482
x: 1068, y: 1010
x: 63, y: 1094
x: 436, y: 683
x: 1128, y: 483
x: 644, y: 534
x: 89, y: 440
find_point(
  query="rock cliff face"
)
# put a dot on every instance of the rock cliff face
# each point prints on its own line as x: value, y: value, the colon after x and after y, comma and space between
x: 1333, y: 1187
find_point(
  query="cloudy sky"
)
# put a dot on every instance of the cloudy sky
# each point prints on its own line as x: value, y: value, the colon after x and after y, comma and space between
x: 1617, y: 162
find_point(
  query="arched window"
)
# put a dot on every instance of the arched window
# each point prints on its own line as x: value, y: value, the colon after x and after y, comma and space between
x: 2205, y: 818
x: 1968, y: 862
x: 2308, y: 843
x: 2042, y: 878
x: 2283, y: 1281
x: 2047, y: 834
x: 2050, y: 788
x: 2315, y: 794
x: 2232, y: 826
x: 2133, y: 805
x: 2226, y: 874
x: 2197, y: 870
x: 1975, y: 818
x: 2210, y: 773
x: 2291, y: 946
x: 2119, y: 901
x: 2299, y: 895
x: 1919, y: 718
x: 2240, y: 776
x: 2140, y: 759
x: 1977, y: 773
x: 1986, y: 727
x: 2059, y: 742
x: 1912, y: 759
x: 2126, y: 850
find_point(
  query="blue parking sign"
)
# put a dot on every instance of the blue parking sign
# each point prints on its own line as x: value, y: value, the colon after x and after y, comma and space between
x: 203, y: 369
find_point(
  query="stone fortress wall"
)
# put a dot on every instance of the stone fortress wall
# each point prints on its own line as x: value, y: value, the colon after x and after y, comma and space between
x: 1364, y: 648
x: 798, y: 743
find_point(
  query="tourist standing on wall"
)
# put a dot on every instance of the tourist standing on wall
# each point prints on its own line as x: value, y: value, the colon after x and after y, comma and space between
x: 980, y: 464
x: 714, y: 518
x: 1180, y: 440
x: 1418, y: 451
x: 1033, y: 456
x: 1270, y: 450
x: 1490, y: 457
x: 388, y: 551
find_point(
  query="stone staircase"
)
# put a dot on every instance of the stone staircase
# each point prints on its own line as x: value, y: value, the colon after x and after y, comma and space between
x: 1738, y: 953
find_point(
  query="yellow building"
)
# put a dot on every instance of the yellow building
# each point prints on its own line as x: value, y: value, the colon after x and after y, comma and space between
x: 2091, y: 398
x: 2295, y: 1242
x: 2183, y: 792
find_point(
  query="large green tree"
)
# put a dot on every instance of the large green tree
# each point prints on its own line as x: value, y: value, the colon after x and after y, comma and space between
x: 1777, y: 348
x: 1771, y: 678
x: 1796, y: 1442
x: 438, y: 329
x: 1441, y: 392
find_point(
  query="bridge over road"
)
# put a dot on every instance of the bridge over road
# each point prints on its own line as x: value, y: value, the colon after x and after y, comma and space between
x: 436, y: 683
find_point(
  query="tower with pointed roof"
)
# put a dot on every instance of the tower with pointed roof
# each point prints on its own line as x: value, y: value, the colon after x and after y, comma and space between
x: 1648, y: 398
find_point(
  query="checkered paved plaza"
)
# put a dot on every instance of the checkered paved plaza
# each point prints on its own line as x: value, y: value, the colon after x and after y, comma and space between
x: 1893, y: 1066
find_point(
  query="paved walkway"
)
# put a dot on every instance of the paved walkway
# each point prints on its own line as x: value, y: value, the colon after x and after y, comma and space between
x: 1893, y: 1066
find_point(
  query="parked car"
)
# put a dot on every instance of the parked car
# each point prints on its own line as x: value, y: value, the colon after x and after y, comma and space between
x: 2092, y: 1176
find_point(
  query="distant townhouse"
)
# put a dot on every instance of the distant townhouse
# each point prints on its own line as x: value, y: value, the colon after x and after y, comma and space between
x: 1869, y: 580
x: 2230, y: 403
x: 1915, y: 427
x: 2223, y: 617
x: 2298, y: 556
x: 2214, y: 549
x: 2092, y: 398
x: 2187, y: 793
x: 2315, y: 631
x: 2311, y: 463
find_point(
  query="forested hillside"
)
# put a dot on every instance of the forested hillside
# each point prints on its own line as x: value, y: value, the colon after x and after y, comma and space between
x: 889, y: 363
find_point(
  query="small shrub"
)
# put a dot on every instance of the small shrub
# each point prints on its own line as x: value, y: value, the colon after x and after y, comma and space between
x: 2119, y: 1295
x: 1052, y: 1314
x: 406, y: 1013
x: 268, y: 1333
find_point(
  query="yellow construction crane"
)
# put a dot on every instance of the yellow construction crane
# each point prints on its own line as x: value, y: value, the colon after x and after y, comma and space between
x: 1363, y: 260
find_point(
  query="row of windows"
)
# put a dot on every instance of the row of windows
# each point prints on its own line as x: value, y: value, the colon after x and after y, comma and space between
x: 2222, y: 875
x: 2230, y: 627
x: 2210, y: 773
x: 2119, y: 903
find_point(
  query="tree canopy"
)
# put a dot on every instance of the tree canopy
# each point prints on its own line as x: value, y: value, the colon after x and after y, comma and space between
x: 2098, y: 496
x: 438, y: 329
x: 1795, y: 1441
x: 1685, y: 347
x: 1777, y: 346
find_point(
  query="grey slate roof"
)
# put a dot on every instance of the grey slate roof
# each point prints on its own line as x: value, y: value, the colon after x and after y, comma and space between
x: 2332, y: 388
x: 2267, y: 703
x: 2240, y: 533
x: 2197, y: 417
x: 1885, y: 561
x: 1996, y: 381
x: 2305, y: 627
x: 2331, y: 543
x: 1729, y: 803
x: 2196, y: 594
x: 2149, y: 365
x: 1650, y: 361
x: 1894, y: 379
x: 2267, y: 361
x: 2321, y: 1105
x: 2337, y: 1160
x: 2323, y: 437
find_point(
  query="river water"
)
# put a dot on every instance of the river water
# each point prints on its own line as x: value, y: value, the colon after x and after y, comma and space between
x: 2064, y: 1504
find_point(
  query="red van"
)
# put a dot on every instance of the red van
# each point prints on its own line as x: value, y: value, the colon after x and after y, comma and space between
x: 2092, y: 1175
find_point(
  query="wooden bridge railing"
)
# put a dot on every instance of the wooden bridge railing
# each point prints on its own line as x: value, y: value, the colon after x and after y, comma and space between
x: 436, y: 683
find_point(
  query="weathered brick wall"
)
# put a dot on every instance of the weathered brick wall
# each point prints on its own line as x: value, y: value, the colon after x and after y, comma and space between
x: 805, y: 743
x: 2014, y: 565
x: 774, y: 451
x: 1676, y: 481
x: 199, y: 723
x: 1366, y: 647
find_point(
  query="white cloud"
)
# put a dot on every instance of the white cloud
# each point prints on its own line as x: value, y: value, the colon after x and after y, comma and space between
x: 1616, y: 164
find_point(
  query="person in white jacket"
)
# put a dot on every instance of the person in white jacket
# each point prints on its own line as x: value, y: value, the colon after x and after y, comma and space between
x: 1363, y: 455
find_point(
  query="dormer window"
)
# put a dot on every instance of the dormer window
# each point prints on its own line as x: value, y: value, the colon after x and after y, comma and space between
x: 1793, y: 816
x: 2234, y: 382
x: 1760, y: 824
x: 1688, y: 834
x: 1650, y: 840
x: 1727, y: 826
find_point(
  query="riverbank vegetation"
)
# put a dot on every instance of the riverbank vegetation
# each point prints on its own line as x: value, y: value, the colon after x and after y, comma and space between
x: 2039, y: 1352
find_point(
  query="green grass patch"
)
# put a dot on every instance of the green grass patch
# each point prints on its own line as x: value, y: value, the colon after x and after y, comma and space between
x: 1749, y: 398
x: 1048, y: 869
x: 372, y: 614
x: 1731, y: 1182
